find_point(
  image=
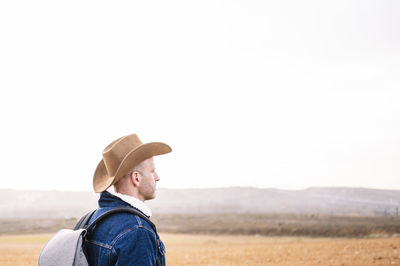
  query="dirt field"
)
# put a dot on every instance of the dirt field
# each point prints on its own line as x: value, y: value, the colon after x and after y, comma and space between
x: 237, y: 250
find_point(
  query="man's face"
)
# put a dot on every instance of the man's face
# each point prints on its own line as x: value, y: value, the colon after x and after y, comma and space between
x: 149, y: 177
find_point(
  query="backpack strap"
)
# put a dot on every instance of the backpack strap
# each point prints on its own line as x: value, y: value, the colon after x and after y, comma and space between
x: 82, y: 223
x: 117, y: 210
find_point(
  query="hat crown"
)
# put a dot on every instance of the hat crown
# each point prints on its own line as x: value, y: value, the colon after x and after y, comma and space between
x: 117, y: 150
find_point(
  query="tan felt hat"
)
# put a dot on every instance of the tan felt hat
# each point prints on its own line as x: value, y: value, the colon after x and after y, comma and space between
x: 120, y: 156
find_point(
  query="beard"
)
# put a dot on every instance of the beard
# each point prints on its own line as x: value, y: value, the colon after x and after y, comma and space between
x: 148, y: 190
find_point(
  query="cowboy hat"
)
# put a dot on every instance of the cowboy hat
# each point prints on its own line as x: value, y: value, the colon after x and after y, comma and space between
x: 122, y: 155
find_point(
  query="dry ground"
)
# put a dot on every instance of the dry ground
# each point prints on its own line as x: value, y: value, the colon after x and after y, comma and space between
x: 237, y: 250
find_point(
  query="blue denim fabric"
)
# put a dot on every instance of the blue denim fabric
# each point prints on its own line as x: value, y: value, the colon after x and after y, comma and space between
x: 122, y: 238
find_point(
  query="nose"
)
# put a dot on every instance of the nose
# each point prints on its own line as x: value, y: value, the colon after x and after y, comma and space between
x: 156, y: 177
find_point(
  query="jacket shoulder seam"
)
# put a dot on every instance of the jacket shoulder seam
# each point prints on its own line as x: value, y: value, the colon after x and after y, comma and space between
x: 128, y: 231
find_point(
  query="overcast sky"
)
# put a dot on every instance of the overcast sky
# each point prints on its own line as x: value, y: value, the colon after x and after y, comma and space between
x: 284, y: 94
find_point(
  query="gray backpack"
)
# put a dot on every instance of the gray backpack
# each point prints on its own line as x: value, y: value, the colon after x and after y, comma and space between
x: 66, y: 246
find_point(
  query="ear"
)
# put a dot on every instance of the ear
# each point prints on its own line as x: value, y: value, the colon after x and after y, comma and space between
x: 136, y: 179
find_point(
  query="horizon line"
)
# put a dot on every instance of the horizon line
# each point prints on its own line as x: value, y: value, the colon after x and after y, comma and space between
x: 224, y: 187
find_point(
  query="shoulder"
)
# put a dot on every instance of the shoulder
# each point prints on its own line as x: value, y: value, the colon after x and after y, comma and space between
x: 129, y: 221
x: 118, y: 224
x: 133, y: 236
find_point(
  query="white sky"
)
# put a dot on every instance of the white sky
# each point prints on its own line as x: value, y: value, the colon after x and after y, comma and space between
x: 285, y: 94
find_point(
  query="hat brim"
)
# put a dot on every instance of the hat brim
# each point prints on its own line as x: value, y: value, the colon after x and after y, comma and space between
x: 101, y: 180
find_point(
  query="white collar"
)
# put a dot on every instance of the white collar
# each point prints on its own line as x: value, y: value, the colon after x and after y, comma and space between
x: 135, y: 202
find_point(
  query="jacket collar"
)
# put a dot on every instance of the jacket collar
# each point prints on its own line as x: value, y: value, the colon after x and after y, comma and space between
x: 134, y: 202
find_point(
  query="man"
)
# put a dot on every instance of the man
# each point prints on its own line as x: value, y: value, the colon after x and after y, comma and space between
x: 126, y: 238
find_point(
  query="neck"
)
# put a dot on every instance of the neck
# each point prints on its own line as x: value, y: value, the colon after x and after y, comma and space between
x: 130, y: 192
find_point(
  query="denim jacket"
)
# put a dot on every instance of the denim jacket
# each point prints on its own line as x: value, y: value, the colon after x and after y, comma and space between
x: 122, y: 238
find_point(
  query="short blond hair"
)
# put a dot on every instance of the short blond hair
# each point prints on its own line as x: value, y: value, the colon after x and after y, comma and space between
x: 122, y: 181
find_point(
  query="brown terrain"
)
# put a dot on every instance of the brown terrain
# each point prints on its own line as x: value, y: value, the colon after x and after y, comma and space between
x: 237, y: 226
x: 187, y: 249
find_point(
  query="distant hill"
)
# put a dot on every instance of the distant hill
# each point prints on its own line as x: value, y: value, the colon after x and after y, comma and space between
x: 327, y: 201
